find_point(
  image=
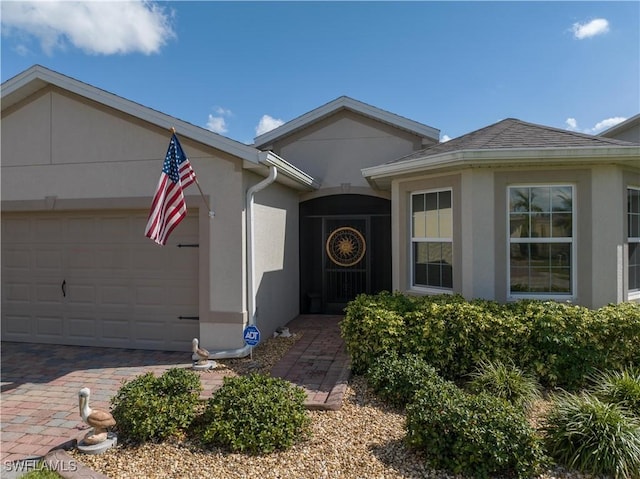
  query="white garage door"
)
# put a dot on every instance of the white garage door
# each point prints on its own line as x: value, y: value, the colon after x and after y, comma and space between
x: 93, y: 278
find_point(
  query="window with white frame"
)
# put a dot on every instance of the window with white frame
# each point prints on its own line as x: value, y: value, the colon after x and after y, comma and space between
x: 633, y: 235
x: 432, y: 239
x: 541, y: 241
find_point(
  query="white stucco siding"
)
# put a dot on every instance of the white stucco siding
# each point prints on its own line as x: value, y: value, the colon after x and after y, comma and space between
x: 478, y: 234
x: 276, y: 257
x: 31, y: 122
x: 335, y: 150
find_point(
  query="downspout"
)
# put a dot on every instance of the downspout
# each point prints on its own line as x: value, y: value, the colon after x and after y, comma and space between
x: 251, y: 289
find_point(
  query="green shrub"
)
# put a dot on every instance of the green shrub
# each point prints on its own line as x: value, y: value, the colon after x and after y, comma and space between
x: 559, y: 343
x: 255, y: 414
x: 155, y: 408
x: 476, y: 435
x: 505, y: 381
x: 621, y: 386
x: 373, y: 325
x: 593, y: 436
x: 619, y: 330
x: 396, y: 379
x: 563, y: 344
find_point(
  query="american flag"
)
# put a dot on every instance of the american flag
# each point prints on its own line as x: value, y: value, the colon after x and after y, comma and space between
x: 168, y: 207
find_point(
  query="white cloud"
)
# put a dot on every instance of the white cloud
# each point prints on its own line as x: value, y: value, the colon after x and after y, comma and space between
x: 597, y: 26
x: 605, y: 124
x: 217, y: 124
x: 445, y: 138
x: 223, y: 111
x: 266, y: 124
x: 608, y: 123
x: 572, y: 124
x: 97, y: 28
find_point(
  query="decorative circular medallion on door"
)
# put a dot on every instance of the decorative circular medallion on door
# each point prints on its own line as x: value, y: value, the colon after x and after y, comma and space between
x: 346, y: 246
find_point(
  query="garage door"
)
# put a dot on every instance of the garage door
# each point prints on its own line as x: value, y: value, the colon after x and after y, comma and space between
x: 93, y: 278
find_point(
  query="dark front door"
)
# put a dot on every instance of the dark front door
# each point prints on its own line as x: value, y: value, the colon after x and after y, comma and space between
x: 345, y: 250
x: 346, y: 265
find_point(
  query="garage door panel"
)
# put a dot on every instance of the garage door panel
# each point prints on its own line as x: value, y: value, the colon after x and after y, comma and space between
x: 83, y: 229
x: 49, y: 230
x: 184, y: 297
x: 118, y: 283
x: 51, y: 327
x: 113, y: 258
x: 16, y: 258
x: 18, y: 293
x: 83, y: 330
x: 48, y: 260
x: 114, y: 329
x: 122, y: 227
x: 81, y: 258
x: 115, y: 295
x: 16, y: 327
x: 82, y: 294
x: 16, y: 229
x: 49, y: 292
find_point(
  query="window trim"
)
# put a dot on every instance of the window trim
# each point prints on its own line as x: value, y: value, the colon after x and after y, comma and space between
x: 515, y: 296
x: 424, y: 289
x: 632, y: 294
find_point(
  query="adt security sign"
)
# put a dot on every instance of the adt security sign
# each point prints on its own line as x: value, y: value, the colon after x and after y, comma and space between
x: 251, y: 335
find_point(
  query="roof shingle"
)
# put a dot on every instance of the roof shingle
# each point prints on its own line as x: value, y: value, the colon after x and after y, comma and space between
x: 512, y: 133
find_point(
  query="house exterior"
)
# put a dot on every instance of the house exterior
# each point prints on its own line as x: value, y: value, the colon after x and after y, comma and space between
x: 517, y: 210
x: 333, y: 143
x: 345, y: 199
x: 79, y: 169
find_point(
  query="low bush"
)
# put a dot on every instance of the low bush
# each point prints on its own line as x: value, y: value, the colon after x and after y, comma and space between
x: 155, y: 408
x: 476, y: 435
x: 255, y: 414
x: 593, y: 436
x: 505, y: 381
x: 619, y: 386
x: 397, y: 379
x: 559, y: 343
x: 373, y: 325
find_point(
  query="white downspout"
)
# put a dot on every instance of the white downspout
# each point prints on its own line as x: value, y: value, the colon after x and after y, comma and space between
x: 251, y: 288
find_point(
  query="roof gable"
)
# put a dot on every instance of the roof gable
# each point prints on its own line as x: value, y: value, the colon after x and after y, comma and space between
x: 346, y: 103
x: 625, y: 128
x: 37, y: 77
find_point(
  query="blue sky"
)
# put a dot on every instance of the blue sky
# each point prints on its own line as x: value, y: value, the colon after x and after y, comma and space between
x: 234, y: 67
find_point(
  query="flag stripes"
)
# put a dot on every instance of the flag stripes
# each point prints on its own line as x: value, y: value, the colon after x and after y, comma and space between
x: 168, y: 207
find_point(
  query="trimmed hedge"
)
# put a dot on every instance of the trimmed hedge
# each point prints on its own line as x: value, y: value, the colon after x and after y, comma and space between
x: 560, y: 343
x: 150, y: 408
x: 397, y: 379
x: 476, y: 435
x: 257, y: 414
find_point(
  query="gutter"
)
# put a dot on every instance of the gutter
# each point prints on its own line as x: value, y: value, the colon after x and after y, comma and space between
x: 251, y: 288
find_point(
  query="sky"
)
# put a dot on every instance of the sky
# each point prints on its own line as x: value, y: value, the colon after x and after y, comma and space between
x: 242, y: 68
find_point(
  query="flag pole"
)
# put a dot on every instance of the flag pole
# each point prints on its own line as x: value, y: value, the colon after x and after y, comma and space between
x: 204, y: 198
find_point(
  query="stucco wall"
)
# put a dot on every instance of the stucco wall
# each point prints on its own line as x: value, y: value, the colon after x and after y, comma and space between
x: 277, y: 274
x: 335, y: 149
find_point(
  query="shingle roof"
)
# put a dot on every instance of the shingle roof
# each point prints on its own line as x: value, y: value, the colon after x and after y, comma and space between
x: 516, y: 134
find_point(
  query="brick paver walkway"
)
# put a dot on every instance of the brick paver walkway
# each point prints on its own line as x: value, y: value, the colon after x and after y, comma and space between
x: 40, y: 383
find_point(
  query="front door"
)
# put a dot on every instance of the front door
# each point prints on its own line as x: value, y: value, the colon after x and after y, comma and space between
x: 345, y: 250
x: 346, y: 262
